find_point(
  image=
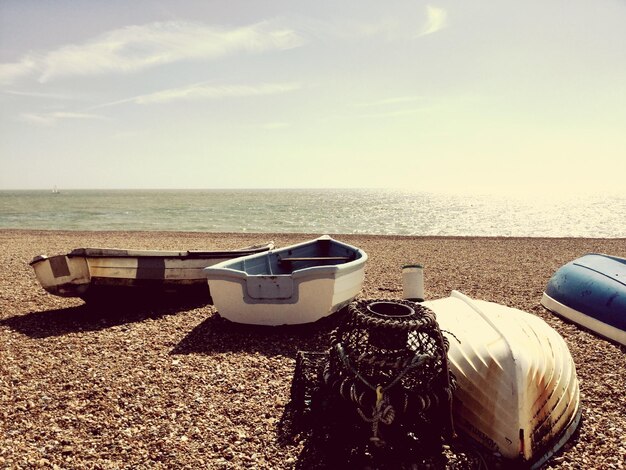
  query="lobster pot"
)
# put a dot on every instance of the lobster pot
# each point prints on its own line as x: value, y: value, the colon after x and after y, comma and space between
x: 388, y: 360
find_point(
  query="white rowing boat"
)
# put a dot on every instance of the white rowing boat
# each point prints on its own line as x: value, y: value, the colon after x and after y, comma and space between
x: 296, y: 284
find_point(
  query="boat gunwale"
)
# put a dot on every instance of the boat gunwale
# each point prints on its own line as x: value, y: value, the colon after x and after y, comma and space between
x: 113, y: 253
x: 222, y: 271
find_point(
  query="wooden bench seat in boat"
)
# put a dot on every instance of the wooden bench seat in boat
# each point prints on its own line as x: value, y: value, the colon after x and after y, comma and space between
x: 314, y: 258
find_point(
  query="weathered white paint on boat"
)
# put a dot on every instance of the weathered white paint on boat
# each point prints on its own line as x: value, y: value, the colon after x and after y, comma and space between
x: 293, y: 285
x: 62, y: 275
x: 517, y: 391
x: 87, y: 270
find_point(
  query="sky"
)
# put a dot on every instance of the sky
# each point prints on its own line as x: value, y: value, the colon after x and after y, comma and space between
x: 452, y: 95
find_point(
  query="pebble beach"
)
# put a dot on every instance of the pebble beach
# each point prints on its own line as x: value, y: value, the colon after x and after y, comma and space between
x: 177, y: 386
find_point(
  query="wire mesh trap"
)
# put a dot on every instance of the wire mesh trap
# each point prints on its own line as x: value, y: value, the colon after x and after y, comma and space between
x: 384, y: 382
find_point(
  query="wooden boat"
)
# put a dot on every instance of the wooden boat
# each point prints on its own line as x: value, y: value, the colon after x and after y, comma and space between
x: 591, y: 291
x: 517, y: 392
x: 110, y: 274
x: 296, y: 284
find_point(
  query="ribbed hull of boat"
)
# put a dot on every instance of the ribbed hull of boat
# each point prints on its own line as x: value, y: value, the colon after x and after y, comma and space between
x: 517, y: 391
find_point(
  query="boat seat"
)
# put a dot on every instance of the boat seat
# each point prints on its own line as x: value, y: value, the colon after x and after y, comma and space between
x: 314, y: 258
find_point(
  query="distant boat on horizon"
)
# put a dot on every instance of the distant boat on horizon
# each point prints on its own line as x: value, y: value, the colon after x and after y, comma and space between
x: 55, y: 190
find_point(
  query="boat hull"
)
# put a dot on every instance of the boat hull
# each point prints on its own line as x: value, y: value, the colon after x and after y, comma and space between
x: 591, y: 291
x: 109, y: 274
x: 294, y: 285
x: 518, y: 392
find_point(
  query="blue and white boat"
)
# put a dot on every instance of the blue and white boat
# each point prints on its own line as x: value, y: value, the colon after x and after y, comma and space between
x: 293, y: 285
x: 591, y: 291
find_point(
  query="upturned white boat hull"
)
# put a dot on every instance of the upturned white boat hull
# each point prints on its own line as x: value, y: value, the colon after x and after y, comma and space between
x: 517, y: 391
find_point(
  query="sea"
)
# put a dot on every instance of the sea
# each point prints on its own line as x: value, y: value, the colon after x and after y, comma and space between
x: 317, y: 211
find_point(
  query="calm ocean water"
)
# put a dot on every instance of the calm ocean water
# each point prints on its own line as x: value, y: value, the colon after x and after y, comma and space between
x: 358, y: 211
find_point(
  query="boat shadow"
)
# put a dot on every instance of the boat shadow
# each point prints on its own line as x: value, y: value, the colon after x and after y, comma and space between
x: 218, y: 335
x: 91, y: 317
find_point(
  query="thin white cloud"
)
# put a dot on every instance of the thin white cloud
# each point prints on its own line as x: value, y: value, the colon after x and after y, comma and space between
x: 34, y: 94
x: 135, y: 48
x: 39, y: 119
x: 388, y: 28
x: 203, y: 91
x: 49, y: 119
x: 437, y: 19
x: 11, y: 72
